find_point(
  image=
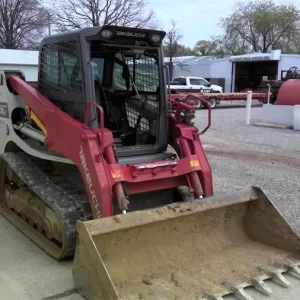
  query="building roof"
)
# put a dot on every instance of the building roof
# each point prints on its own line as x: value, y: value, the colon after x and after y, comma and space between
x: 258, y: 56
x: 194, y: 59
x: 18, y: 57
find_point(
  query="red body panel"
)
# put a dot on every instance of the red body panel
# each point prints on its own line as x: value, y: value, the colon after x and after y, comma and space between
x: 92, y: 152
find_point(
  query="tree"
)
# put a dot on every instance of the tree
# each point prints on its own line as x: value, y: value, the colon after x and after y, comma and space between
x: 233, y: 45
x: 206, y: 47
x: 261, y: 24
x: 75, y: 14
x: 22, y: 23
x: 185, y: 51
x: 171, y: 43
x: 291, y: 46
x: 181, y: 50
x: 216, y: 46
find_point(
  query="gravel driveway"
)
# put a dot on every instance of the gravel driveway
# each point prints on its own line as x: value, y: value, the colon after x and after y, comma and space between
x: 244, y: 155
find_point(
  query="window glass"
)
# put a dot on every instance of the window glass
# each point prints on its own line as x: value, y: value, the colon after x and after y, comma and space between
x: 69, y: 69
x: 143, y: 71
x: 50, y: 65
x: 194, y: 81
x: 98, y: 68
x: 179, y: 81
x: 204, y: 82
x: 119, y: 82
x: 61, y: 69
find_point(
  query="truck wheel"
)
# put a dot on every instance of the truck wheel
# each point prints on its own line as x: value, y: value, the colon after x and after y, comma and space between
x: 213, y: 102
x: 198, y: 104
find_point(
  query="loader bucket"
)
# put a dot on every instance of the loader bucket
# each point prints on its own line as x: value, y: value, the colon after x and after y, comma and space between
x: 209, y: 248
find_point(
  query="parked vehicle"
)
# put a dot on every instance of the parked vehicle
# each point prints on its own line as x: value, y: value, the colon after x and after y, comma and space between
x: 184, y: 84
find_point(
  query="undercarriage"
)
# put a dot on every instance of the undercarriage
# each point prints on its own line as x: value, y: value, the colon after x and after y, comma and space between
x: 44, y: 200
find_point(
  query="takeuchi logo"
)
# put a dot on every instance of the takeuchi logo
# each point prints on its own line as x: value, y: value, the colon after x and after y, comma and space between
x: 131, y: 34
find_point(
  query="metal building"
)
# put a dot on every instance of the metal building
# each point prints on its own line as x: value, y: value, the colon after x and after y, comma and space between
x: 26, y: 61
x: 235, y: 73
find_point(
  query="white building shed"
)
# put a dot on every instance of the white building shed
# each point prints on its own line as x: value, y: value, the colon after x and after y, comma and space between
x: 24, y: 60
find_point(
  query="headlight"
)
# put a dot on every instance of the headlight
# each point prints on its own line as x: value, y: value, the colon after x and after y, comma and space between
x: 155, y: 38
x: 106, y: 33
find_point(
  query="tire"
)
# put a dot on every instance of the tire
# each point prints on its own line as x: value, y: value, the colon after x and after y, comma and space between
x: 213, y: 102
x: 198, y: 105
x: 217, y: 101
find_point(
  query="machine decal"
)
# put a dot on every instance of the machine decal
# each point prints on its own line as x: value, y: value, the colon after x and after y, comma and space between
x: 4, y: 110
x: 88, y: 179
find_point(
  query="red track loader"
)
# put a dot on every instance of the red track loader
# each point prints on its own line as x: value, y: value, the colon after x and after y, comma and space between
x: 86, y: 171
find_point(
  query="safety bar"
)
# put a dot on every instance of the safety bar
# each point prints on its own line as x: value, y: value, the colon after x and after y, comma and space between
x: 87, y: 113
x: 87, y: 118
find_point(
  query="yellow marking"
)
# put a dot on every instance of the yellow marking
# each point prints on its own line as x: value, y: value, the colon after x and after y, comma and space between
x: 194, y: 163
x: 116, y: 174
x: 36, y: 119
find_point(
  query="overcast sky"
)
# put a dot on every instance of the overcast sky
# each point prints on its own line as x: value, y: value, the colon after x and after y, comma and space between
x: 195, y: 19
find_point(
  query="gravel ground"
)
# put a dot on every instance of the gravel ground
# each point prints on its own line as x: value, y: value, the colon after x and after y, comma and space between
x: 228, y: 128
x: 242, y: 156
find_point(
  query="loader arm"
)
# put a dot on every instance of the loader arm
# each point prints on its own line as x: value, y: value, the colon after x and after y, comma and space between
x: 79, y: 143
x: 92, y: 152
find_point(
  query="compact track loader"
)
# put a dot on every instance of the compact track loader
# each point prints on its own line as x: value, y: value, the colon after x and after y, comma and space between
x: 86, y: 171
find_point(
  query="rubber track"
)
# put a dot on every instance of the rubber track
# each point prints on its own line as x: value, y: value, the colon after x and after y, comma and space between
x: 56, y: 192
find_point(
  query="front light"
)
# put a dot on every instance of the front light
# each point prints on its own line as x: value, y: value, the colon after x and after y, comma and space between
x: 155, y: 38
x: 106, y: 33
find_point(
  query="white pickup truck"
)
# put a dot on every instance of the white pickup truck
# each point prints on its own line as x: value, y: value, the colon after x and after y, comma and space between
x: 184, y: 84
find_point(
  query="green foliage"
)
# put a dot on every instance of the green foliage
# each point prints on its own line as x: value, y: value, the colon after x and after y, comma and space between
x: 260, y: 26
x: 180, y: 50
x: 204, y: 47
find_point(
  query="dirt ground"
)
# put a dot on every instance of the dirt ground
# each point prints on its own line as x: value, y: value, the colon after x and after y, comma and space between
x: 240, y: 156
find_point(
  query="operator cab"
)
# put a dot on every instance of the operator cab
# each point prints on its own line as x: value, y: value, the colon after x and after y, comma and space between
x: 122, y: 70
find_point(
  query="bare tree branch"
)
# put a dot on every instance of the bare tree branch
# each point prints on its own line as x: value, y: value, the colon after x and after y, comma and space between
x: 22, y: 23
x: 75, y: 14
x: 171, y: 44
